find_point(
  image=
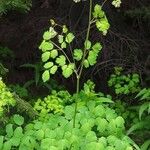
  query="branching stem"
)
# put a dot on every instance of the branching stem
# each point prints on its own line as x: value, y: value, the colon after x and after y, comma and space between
x: 78, y: 75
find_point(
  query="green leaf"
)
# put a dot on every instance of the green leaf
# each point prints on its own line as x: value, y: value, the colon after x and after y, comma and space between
x: 101, y: 124
x: 103, y: 140
x: 54, y: 53
x: 69, y: 112
x: 46, y: 76
x: 145, y: 145
x: 29, y: 141
x: 63, y: 144
x: 48, y: 65
x: 45, y: 56
x: 38, y: 125
x: 71, y: 66
x: 19, y: 120
x: 91, y: 136
x: 141, y: 92
x: 63, y: 45
x: 78, y: 53
x: 119, y: 122
x: 1, y: 141
x: 111, y: 139
x: 46, y: 35
x: 18, y: 132
x: 47, y: 143
x: 143, y: 108
x: 53, y: 69
x: 64, y: 29
x: 45, y: 46
x: 95, y: 146
x: 64, y: 67
x: 104, y: 100
x: 86, y: 63
x: 67, y: 72
x: 61, y: 60
x: 146, y: 95
x: 9, y: 130
x: 52, y: 31
x: 60, y: 38
x: 15, y: 141
x: 87, y: 44
x: 86, y: 127
x: 7, y: 145
x: 69, y: 38
x: 97, y: 47
x: 92, y: 58
x: 39, y: 134
x: 138, y: 126
x: 127, y: 139
x: 103, y: 25
x: 98, y: 13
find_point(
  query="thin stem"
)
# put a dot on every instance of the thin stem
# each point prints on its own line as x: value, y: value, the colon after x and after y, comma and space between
x: 87, y: 37
x: 62, y: 51
x: 103, y: 3
x: 77, y: 92
x: 78, y: 76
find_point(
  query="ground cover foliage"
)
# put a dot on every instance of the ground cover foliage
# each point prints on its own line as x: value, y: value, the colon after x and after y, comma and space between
x: 85, y: 119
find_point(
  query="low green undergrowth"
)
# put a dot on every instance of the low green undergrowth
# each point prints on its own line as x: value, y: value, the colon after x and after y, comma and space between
x: 97, y: 128
x: 124, y: 83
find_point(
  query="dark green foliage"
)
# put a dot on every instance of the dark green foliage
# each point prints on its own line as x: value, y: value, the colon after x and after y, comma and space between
x: 19, y: 5
x: 124, y: 84
x: 6, y: 52
x: 19, y: 90
x: 3, y: 70
x: 142, y: 13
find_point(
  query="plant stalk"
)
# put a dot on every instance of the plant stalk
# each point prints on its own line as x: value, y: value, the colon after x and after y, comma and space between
x: 78, y: 76
x: 77, y: 92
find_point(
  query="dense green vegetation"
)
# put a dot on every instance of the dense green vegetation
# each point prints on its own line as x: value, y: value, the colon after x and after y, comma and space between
x: 84, y: 120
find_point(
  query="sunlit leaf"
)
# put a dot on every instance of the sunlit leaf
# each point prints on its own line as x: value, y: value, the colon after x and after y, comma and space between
x: 46, y: 76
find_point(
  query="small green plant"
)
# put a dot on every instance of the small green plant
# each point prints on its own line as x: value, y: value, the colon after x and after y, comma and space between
x: 124, y: 84
x: 54, y: 52
x: 53, y: 103
x: 88, y: 93
x: 6, y: 99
